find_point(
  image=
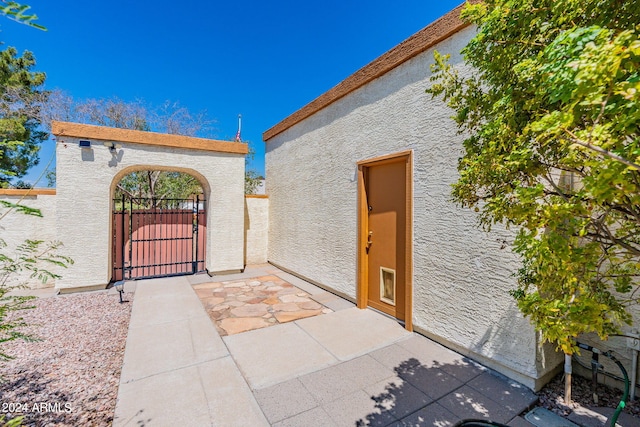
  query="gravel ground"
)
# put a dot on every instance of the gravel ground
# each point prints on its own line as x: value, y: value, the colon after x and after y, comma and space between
x: 552, y: 396
x: 70, y: 376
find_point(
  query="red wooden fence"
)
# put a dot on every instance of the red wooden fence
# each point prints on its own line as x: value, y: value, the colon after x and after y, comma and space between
x: 158, y: 243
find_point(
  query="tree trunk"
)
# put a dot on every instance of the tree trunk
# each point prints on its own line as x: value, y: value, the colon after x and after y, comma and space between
x: 567, y: 379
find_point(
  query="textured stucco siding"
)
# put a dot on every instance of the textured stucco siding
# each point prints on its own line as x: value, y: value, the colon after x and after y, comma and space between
x: 256, y: 229
x: 86, y: 180
x: 16, y: 227
x: 461, y: 276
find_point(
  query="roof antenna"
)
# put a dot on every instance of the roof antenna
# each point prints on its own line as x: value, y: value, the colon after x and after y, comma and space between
x: 238, y: 137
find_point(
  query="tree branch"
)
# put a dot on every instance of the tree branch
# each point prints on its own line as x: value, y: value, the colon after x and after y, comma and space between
x: 577, y: 141
x: 124, y: 190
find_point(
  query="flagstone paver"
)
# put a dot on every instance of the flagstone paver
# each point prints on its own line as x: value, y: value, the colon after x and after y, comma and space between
x: 247, y: 304
x: 236, y: 325
x: 295, y: 315
x: 350, y: 367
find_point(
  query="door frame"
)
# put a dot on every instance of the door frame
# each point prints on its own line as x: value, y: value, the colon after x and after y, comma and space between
x: 363, y: 225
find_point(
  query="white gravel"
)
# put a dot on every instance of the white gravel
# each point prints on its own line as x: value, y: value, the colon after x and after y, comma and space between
x: 70, y: 376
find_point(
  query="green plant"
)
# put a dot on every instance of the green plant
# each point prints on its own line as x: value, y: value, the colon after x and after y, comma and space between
x: 29, y: 257
x: 20, y: 103
x: 13, y: 422
x: 21, y: 100
x: 16, y: 12
x: 551, y: 115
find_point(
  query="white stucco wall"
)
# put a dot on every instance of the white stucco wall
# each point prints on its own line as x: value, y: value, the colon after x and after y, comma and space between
x: 256, y: 228
x: 16, y: 227
x: 461, y: 276
x: 86, y: 179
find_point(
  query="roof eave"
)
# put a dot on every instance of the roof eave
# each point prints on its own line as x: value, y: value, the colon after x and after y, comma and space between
x: 424, y: 39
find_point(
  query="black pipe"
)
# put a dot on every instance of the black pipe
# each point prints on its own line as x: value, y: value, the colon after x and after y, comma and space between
x: 625, y: 396
x: 587, y: 347
x: 478, y: 423
x: 595, y: 365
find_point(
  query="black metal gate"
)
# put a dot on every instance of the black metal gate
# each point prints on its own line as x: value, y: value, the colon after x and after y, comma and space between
x: 158, y: 238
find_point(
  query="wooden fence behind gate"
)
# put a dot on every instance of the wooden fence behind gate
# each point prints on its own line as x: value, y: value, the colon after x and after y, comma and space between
x: 154, y: 238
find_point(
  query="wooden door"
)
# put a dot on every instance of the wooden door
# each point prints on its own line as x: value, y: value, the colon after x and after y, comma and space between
x: 386, y: 234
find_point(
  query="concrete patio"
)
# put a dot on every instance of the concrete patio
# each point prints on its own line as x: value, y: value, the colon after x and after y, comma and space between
x: 343, y: 368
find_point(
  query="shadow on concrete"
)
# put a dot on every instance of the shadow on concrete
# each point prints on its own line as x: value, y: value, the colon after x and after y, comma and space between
x: 139, y: 417
x: 454, y: 391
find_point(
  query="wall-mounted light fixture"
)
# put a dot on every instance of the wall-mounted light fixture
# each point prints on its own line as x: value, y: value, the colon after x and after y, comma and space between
x: 112, y: 146
x: 84, y: 144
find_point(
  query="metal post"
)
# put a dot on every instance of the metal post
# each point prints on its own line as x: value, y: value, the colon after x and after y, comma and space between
x: 124, y: 240
x: 595, y: 364
x: 194, y: 259
x: 130, y: 233
x: 634, y: 371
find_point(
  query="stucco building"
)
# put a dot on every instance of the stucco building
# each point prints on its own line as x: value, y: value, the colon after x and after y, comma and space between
x: 358, y: 201
x: 359, y: 183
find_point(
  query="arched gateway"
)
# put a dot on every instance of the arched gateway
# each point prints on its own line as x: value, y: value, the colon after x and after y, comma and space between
x: 158, y: 235
x: 91, y: 160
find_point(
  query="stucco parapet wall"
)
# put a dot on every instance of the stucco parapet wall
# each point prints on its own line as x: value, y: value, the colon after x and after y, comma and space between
x: 102, y: 133
x: 27, y: 191
x: 426, y: 38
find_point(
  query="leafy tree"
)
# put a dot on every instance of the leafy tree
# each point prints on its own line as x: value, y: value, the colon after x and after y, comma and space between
x: 51, y: 177
x: 20, y: 101
x: 551, y: 115
x: 158, y: 185
x: 20, y: 108
x: 114, y: 112
x: 16, y: 12
x: 252, y: 181
x: 22, y: 184
x: 170, y: 117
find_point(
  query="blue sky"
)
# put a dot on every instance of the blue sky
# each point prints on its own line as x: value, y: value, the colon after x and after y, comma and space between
x: 264, y: 60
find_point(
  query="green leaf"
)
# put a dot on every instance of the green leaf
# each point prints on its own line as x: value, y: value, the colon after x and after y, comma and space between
x: 552, y: 120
